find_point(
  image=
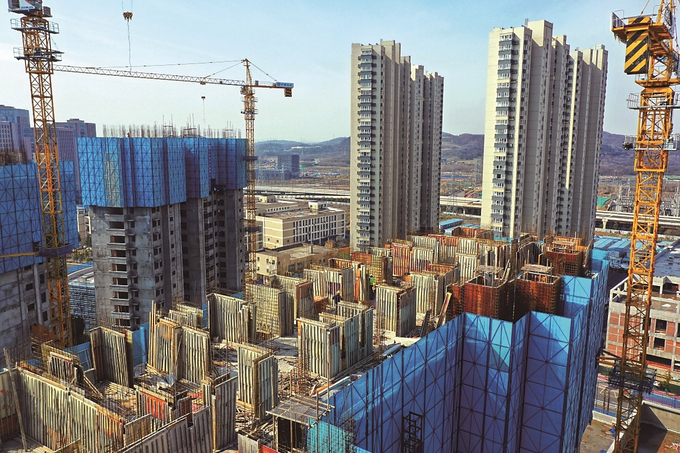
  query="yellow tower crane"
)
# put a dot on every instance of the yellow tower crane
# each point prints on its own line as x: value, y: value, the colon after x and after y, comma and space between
x: 652, y: 57
x: 39, y: 58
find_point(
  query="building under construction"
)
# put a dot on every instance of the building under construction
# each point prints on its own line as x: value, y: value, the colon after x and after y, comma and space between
x: 166, y: 217
x: 23, y: 282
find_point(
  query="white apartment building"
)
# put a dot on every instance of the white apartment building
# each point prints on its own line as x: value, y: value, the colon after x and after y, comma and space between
x: 396, y: 128
x: 542, y: 133
x: 285, y: 223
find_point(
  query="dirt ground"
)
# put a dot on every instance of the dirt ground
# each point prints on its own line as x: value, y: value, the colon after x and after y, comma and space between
x: 597, y: 437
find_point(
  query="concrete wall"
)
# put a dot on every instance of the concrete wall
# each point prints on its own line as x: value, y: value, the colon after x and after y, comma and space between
x: 22, y: 293
x: 661, y: 417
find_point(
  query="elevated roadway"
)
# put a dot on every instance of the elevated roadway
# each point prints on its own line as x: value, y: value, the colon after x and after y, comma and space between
x: 461, y: 205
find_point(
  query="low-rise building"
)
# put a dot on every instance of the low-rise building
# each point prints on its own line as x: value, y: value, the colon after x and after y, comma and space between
x: 286, y: 223
x: 663, y: 349
x: 292, y: 260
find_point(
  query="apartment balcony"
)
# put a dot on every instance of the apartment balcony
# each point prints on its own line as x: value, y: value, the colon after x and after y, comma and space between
x: 118, y: 288
x: 114, y: 217
x: 120, y: 315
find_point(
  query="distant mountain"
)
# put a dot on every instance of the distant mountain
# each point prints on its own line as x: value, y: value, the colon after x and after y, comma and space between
x: 462, y: 147
x: 615, y: 161
x: 330, y: 152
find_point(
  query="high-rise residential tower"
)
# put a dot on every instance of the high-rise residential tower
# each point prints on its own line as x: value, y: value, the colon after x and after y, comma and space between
x: 543, y: 133
x: 395, y: 145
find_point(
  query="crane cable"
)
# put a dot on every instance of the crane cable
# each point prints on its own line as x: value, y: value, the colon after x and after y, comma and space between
x: 127, y: 15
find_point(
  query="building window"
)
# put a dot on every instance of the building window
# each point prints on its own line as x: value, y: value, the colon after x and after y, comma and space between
x: 661, y: 326
x: 659, y: 343
x: 44, y: 316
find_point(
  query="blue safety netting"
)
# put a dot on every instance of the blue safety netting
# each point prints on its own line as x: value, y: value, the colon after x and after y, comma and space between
x: 152, y: 172
x: 482, y: 384
x: 20, y: 213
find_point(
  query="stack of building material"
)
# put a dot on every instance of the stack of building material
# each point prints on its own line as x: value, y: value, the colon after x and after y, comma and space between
x: 396, y: 309
x: 319, y: 346
x: 258, y: 379
x: 231, y: 319
x: 430, y: 290
x: 300, y: 294
x: 274, y: 313
x: 112, y: 356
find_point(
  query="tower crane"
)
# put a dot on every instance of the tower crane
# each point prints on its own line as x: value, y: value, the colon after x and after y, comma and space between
x: 40, y: 59
x: 652, y: 57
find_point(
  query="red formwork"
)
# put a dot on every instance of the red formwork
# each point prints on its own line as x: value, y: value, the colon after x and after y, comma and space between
x: 490, y: 301
x: 566, y: 262
x: 337, y: 263
x: 455, y: 307
x: 537, y: 292
x: 401, y: 257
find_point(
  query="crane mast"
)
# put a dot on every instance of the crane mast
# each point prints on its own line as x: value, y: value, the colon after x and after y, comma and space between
x: 39, y: 58
x: 249, y: 112
x: 652, y: 58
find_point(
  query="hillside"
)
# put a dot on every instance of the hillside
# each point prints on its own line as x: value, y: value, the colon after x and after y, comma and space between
x: 459, y: 152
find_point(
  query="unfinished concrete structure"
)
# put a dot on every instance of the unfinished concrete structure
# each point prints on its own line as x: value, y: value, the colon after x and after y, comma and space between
x: 166, y: 216
x: 23, y: 282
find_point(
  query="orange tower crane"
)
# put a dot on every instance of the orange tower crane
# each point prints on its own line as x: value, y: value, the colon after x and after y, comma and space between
x: 39, y: 58
x: 652, y: 57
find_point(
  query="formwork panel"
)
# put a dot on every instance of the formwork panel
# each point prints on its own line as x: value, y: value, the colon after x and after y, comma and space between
x: 229, y: 318
x: 274, y: 314
x: 110, y: 356
x: 224, y: 412
x: 299, y: 292
x: 257, y: 379
x: 319, y: 347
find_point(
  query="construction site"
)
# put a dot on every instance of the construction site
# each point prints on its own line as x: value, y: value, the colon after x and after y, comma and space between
x: 459, y: 342
x: 454, y: 321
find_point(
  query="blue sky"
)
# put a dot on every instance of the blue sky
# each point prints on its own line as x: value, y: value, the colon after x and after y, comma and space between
x: 301, y: 41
